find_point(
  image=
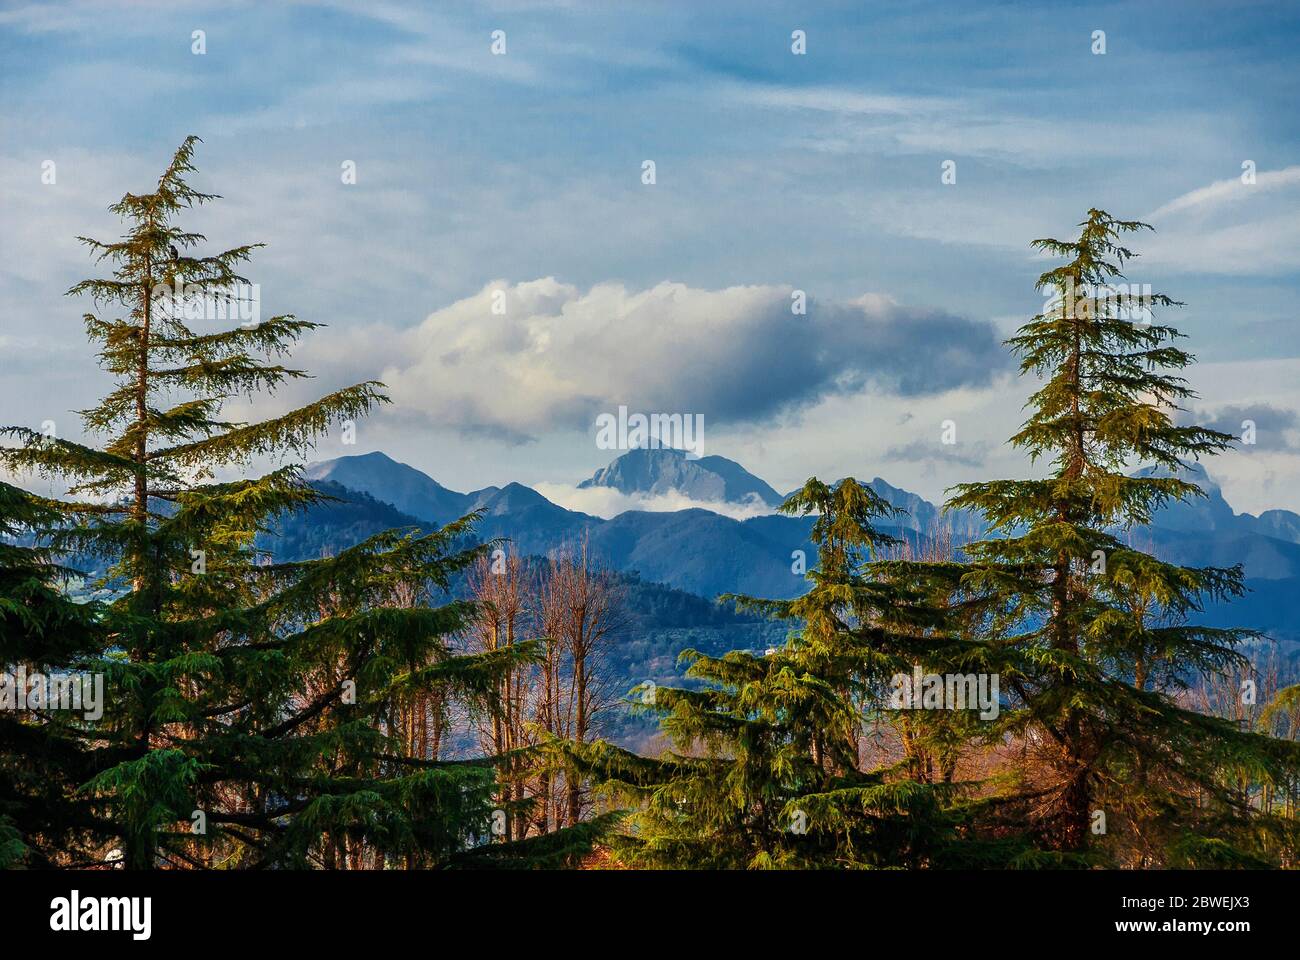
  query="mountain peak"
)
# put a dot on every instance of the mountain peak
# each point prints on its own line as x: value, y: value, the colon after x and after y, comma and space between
x: 1194, y: 471
x: 1211, y: 512
x: 651, y: 472
x: 511, y: 497
x: 376, y: 456
x: 410, y: 490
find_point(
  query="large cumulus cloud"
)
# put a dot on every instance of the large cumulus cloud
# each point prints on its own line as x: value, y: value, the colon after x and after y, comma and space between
x: 558, y: 356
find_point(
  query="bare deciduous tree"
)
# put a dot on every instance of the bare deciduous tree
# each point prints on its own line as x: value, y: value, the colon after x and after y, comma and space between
x: 582, y: 611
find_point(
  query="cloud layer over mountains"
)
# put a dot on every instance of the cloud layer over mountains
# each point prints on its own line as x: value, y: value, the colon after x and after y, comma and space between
x: 517, y: 360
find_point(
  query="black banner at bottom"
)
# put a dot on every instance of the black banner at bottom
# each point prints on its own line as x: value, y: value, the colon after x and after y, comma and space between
x: 336, y: 909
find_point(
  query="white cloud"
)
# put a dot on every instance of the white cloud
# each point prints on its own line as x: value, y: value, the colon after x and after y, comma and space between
x: 844, y: 120
x: 607, y: 502
x: 853, y: 435
x: 559, y: 355
x: 1233, y: 189
x: 1230, y: 227
x: 837, y: 100
x: 1267, y: 475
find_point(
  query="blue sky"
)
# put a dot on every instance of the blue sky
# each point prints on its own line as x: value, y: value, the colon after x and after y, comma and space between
x: 521, y: 173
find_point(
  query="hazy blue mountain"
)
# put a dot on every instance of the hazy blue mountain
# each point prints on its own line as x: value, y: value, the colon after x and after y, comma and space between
x: 1283, y: 524
x: 1263, y: 558
x: 707, y: 554
x: 921, y: 513
x: 924, y: 516
x: 1213, y: 513
x: 650, y: 472
x: 325, y: 529
x: 1268, y: 606
x: 532, y: 523
x: 410, y: 490
x: 1210, y: 512
x: 694, y: 550
x: 699, y: 551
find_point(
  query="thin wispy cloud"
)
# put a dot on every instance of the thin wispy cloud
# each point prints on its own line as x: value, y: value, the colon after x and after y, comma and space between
x: 1231, y: 190
x: 837, y: 100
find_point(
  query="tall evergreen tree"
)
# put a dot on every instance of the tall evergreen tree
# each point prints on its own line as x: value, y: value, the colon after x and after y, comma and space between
x: 249, y: 716
x: 765, y: 769
x: 1084, y: 613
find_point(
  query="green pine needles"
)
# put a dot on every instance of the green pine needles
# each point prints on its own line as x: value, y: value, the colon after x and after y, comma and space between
x: 1094, y: 757
x: 253, y: 711
x: 1099, y: 628
x: 766, y: 770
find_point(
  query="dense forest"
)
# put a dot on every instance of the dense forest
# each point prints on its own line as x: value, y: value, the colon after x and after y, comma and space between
x: 1042, y: 697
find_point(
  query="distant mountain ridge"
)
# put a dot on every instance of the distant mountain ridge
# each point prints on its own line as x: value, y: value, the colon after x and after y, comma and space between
x: 707, y: 553
x: 714, y: 479
x: 1212, y: 512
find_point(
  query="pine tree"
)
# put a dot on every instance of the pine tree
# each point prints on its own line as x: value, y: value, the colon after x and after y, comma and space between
x: 253, y: 708
x: 41, y: 630
x: 766, y: 769
x: 1085, y: 614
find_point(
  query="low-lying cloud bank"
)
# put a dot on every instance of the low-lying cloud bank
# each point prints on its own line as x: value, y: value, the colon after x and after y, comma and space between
x: 607, y: 502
